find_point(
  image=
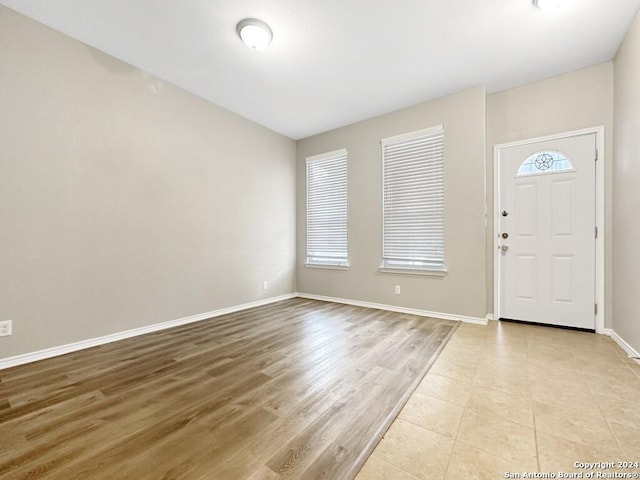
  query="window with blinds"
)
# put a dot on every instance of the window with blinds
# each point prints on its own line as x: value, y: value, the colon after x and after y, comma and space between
x: 327, y: 209
x: 413, y: 201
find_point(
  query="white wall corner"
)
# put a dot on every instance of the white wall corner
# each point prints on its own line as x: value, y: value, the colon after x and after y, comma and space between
x: 632, y: 352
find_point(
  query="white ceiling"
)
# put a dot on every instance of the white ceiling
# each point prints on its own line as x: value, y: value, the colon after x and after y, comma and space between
x: 335, y: 62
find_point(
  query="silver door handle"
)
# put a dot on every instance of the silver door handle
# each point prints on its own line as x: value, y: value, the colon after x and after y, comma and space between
x: 504, y: 248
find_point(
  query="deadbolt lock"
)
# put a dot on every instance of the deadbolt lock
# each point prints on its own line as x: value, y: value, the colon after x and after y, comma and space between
x: 505, y: 235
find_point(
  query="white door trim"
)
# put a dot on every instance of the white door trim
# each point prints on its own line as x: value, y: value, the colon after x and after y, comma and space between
x: 600, y: 220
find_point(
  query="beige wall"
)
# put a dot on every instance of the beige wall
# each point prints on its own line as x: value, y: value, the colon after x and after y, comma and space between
x: 626, y: 195
x: 572, y: 101
x: 462, y: 290
x: 125, y: 201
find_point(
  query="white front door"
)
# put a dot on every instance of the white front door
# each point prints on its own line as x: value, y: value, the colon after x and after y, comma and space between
x: 546, y: 228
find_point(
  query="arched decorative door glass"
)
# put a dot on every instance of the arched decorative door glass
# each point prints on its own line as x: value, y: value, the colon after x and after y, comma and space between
x: 545, y: 161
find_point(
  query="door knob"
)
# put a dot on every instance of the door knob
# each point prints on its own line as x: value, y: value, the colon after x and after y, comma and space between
x: 504, y: 248
x: 505, y: 213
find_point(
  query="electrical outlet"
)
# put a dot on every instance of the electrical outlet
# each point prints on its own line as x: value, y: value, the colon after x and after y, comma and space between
x: 397, y: 289
x: 5, y: 328
x: 264, y: 285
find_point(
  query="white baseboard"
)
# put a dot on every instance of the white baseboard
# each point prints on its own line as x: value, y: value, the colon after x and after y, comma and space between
x: 490, y: 317
x: 393, y: 308
x: 94, y: 342
x: 632, y: 352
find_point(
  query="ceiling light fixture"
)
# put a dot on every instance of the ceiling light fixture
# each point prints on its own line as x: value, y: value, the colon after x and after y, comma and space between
x: 254, y: 33
x: 548, y: 5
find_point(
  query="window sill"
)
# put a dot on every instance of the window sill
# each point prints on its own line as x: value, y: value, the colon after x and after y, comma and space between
x: 414, y: 271
x: 326, y: 267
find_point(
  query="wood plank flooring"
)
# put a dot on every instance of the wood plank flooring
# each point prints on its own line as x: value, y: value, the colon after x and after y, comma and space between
x: 299, y: 389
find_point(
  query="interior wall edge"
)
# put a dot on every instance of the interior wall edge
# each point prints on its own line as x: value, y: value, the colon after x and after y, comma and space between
x: 393, y: 308
x: 632, y: 352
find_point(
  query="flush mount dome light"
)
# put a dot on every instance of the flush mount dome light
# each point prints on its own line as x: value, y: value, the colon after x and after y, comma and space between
x: 548, y: 5
x: 254, y: 33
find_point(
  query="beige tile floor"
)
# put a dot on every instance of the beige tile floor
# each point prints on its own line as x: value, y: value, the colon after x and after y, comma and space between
x: 515, y: 398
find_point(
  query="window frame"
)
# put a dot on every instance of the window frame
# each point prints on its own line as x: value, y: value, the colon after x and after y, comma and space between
x: 419, y: 267
x: 314, y: 261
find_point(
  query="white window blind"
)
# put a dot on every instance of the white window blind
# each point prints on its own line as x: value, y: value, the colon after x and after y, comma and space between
x: 413, y: 200
x: 327, y: 209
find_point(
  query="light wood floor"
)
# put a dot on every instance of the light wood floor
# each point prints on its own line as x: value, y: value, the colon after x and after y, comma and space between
x: 299, y: 389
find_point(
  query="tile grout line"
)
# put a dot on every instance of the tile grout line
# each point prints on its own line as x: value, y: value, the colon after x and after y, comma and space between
x: 467, y: 408
x: 533, y: 410
x: 601, y: 410
x: 535, y: 427
x: 606, y: 419
x: 383, y: 460
x: 455, y: 439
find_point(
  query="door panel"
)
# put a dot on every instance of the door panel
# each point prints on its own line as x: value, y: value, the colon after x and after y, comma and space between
x: 547, y: 263
x: 562, y: 196
x: 562, y: 279
x: 526, y: 277
x: 527, y: 220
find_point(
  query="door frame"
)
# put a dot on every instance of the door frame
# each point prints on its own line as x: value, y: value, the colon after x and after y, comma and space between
x: 600, y: 218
